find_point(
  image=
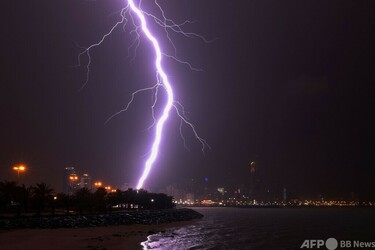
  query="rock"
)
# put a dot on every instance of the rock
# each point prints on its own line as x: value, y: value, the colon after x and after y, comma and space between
x: 147, y: 217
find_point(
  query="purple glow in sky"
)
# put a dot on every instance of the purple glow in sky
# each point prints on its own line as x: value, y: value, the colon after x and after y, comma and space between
x: 161, y: 77
x: 166, y: 85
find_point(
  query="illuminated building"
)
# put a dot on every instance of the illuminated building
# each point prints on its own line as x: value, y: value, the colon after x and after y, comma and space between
x: 70, y: 181
x: 221, y: 191
x: 85, y: 182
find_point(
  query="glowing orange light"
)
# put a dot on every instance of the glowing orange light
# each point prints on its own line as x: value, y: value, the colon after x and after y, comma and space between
x: 73, y: 177
x: 20, y: 168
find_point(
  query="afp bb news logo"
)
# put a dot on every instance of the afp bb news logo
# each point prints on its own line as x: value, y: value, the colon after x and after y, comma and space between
x: 332, y: 244
x: 329, y: 244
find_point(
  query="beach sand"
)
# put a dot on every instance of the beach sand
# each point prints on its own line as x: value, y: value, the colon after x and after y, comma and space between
x: 98, y: 238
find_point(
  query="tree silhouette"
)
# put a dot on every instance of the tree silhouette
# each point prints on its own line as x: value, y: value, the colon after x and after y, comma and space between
x: 64, y: 201
x: 17, y: 198
x: 100, y: 199
x: 83, y: 200
x: 116, y: 198
x: 163, y: 201
x: 130, y: 197
x: 143, y: 199
x: 42, y: 193
x: 25, y: 196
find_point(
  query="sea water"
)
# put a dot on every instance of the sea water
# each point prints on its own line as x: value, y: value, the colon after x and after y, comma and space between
x: 267, y: 228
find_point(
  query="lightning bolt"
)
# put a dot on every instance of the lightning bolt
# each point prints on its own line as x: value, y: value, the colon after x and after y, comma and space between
x: 161, y: 76
x: 166, y: 85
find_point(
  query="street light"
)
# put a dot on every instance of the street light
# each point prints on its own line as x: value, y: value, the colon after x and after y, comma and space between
x: 98, y: 184
x: 20, y: 168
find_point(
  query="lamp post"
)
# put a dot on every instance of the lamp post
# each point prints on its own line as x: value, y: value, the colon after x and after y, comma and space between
x: 98, y: 184
x: 20, y: 169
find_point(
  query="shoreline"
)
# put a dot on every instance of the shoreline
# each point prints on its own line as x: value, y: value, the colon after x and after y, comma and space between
x: 89, y: 238
x: 144, y: 217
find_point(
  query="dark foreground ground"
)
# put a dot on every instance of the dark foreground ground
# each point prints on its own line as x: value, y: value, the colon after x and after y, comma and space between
x: 121, y: 230
x: 89, y: 238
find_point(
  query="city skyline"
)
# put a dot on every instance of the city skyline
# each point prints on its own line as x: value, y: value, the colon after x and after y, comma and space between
x: 202, y: 189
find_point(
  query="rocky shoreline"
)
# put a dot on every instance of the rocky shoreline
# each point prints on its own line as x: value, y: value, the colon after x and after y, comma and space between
x: 145, y: 217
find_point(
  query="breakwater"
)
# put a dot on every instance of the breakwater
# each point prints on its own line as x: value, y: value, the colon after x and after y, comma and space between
x: 146, y: 217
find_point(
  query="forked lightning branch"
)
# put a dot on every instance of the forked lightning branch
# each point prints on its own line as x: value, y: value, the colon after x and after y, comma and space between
x: 132, y: 14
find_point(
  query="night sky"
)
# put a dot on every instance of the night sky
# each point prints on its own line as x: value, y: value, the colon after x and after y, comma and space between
x: 288, y: 84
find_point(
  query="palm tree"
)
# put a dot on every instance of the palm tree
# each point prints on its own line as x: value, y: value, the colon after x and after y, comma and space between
x: 42, y: 192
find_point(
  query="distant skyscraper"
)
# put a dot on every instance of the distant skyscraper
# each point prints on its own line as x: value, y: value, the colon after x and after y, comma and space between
x: 70, y: 180
x: 66, y: 182
x: 85, y: 182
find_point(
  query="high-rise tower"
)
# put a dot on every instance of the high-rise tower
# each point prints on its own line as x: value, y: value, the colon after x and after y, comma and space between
x: 70, y: 180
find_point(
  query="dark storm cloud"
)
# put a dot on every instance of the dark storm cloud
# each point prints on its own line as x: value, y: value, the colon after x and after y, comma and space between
x: 287, y: 83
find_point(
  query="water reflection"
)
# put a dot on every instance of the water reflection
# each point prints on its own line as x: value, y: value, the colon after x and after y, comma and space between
x: 265, y: 228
